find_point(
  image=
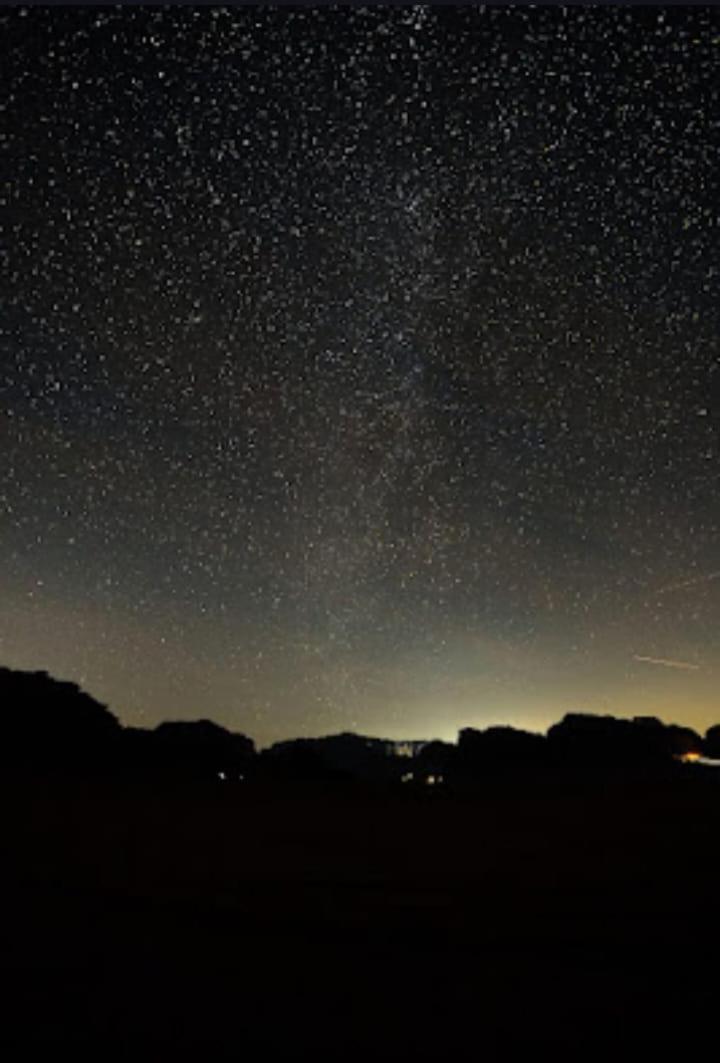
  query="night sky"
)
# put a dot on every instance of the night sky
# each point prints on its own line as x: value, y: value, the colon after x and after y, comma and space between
x: 359, y: 367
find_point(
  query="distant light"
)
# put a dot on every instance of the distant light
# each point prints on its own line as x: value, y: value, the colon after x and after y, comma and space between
x: 698, y: 758
x: 222, y: 776
x: 407, y: 777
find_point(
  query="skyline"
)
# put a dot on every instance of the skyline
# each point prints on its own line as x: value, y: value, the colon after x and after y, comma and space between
x: 359, y: 366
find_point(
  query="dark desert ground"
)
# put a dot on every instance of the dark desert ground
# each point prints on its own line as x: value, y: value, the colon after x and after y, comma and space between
x: 338, y: 924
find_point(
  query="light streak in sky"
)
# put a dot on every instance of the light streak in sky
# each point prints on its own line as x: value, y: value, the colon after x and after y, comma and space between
x: 666, y: 663
x: 689, y: 583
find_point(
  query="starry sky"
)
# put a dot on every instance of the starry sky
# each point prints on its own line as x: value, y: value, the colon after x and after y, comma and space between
x: 359, y: 366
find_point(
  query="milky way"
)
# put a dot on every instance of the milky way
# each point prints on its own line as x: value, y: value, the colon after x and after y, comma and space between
x: 359, y: 366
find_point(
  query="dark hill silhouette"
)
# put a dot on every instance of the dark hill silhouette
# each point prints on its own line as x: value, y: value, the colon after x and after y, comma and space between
x: 711, y: 743
x: 436, y: 758
x: 299, y: 762
x: 605, y: 745
x: 203, y: 750
x: 51, y: 725
x: 345, y: 755
x: 499, y: 752
x: 140, y: 757
x: 186, y: 751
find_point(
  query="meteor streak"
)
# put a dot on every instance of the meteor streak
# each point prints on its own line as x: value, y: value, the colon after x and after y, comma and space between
x: 666, y: 663
x: 689, y: 583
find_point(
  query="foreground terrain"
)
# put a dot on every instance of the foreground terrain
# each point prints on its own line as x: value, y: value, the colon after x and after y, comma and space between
x: 341, y: 924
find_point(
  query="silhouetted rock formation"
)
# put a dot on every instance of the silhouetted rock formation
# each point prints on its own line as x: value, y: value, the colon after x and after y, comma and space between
x: 202, y: 750
x: 298, y: 762
x: 435, y: 759
x: 680, y: 740
x: 607, y: 745
x: 140, y: 756
x: 52, y: 726
x: 499, y: 752
x: 711, y: 742
x: 339, y: 756
x: 185, y: 751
